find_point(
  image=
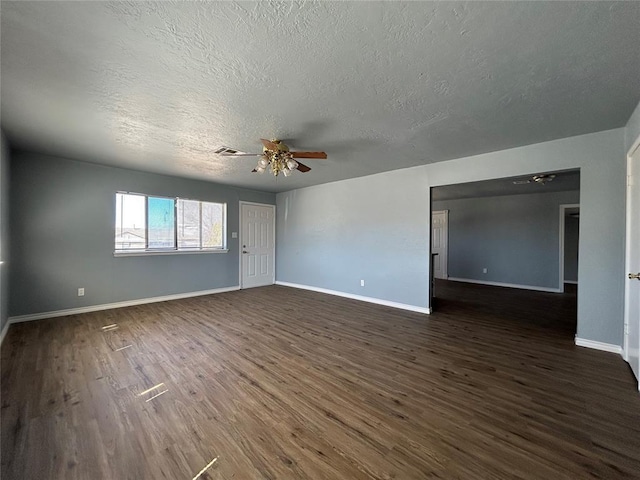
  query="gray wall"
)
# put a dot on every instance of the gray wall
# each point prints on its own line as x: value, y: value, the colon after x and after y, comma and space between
x: 632, y: 129
x: 62, y: 231
x: 4, y: 231
x: 371, y: 228
x: 571, y: 242
x: 515, y: 237
x: 331, y: 235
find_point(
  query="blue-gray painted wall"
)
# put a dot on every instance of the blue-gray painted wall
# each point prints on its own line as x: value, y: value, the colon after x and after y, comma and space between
x: 515, y: 237
x: 62, y: 231
x: 371, y: 228
x: 4, y: 230
x: 377, y: 227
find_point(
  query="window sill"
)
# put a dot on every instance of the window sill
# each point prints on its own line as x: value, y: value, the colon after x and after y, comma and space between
x: 146, y: 253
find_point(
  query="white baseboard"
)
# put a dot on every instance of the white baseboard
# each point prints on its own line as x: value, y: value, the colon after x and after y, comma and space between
x: 361, y: 298
x: 605, y: 347
x: 508, y: 285
x: 572, y: 282
x: 109, y: 306
x: 4, y: 330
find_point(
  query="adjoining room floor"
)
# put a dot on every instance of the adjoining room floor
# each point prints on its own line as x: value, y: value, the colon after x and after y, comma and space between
x: 278, y: 383
x: 554, y: 311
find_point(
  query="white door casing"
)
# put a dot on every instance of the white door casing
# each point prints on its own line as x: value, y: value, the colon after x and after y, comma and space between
x: 563, y: 209
x: 632, y: 287
x: 257, y: 244
x: 440, y: 242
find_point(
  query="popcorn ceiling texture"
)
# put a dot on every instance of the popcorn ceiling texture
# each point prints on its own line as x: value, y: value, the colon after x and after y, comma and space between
x: 157, y: 86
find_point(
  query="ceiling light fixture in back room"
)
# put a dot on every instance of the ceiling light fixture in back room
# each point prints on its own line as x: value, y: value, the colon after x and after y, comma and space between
x: 540, y: 179
x: 543, y: 178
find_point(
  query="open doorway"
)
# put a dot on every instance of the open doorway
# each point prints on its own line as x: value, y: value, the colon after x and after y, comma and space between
x: 506, y: 250
x: 569, y: 244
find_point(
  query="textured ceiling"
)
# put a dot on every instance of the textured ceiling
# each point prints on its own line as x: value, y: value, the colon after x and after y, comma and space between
x: 157, y: 86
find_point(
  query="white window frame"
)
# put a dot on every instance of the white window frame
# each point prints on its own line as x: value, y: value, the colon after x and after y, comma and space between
x: 175, y: 250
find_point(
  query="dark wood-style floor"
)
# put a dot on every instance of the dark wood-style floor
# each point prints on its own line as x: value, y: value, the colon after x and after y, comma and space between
x: 278, y: 383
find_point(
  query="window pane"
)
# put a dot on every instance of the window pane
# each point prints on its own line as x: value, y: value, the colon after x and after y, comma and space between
x: 130, y: 225
x: 212, y: 223
x: 161, y: 222
x: 188, y: 224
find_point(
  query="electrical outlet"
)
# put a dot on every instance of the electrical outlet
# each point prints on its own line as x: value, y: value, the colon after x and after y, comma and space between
x: 484, y: 270
x: 234, y: 234
x: 362, y: 283
x: 81, y: 292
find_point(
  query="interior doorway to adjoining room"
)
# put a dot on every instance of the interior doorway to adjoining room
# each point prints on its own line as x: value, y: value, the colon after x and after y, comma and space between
x: 506, y: 244
x: 569, y: 245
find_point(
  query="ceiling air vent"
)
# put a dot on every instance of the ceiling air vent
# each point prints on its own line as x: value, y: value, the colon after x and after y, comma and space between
x: 226, y: 151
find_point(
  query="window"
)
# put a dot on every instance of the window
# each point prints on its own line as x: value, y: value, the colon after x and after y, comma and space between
x: 163, y: 224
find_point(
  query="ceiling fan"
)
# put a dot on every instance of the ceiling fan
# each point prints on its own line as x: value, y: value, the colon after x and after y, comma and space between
x: 540, y: 179
x: 277, y: 157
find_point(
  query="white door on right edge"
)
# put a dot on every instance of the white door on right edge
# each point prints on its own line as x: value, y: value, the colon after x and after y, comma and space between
x: 632, y: 295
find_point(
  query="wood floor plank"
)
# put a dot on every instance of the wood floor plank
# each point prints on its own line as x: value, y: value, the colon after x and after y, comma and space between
x: 278, y: 383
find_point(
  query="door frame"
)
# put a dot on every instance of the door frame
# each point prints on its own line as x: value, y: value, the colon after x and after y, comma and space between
x: 446, y: 248
x: 563, y: 212
x: 430, y: 293
x: 240, y: 233
x: 627, y: 250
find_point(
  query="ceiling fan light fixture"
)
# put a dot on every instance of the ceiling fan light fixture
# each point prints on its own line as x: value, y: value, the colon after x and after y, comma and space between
x: 543, y: 178
x: 277, y: 158
x: 279, y: 161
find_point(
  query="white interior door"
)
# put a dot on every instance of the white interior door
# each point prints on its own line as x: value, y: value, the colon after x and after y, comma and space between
x: 257, y: 239
x: 632, y: 290
x: 439, y: 242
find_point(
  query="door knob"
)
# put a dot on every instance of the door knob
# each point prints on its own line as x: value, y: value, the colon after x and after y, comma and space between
x: 634, y: 275
x: 244, y: 251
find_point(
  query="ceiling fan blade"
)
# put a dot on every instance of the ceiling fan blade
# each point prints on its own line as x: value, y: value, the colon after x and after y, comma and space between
x: 309, y: 154
x: 269, y: 144
x: 303, y: 168
x: 240, y: 154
